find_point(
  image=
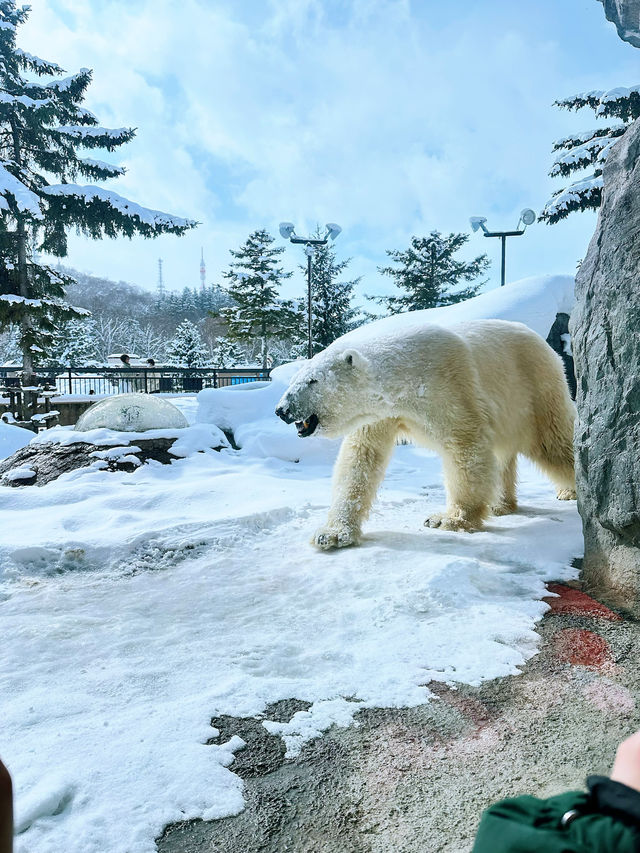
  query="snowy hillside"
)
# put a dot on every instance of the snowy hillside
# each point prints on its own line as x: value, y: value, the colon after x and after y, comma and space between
x: 136, y: 606
x: 534, y: 301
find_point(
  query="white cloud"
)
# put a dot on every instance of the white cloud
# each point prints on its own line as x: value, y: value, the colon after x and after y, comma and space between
x: 383, y: 116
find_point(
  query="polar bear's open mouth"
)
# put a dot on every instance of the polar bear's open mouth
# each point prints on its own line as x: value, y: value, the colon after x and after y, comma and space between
x: 307, y: 427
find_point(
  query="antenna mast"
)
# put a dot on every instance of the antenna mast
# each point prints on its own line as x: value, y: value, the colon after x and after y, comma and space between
x: 203, y: 270
x: 160, y: 281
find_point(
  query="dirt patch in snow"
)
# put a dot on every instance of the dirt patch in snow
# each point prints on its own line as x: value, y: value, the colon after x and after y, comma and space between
x: 415, y: 780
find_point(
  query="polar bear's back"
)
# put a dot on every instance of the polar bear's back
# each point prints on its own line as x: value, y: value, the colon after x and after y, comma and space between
x: 501, y: 368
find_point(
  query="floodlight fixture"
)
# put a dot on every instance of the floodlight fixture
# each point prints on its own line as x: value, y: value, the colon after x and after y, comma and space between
x: 478, y: 222
x: 527, y: 217
x: 287, y: 229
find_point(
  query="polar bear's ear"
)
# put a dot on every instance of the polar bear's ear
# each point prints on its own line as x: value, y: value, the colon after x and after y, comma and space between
x: 355, y: 358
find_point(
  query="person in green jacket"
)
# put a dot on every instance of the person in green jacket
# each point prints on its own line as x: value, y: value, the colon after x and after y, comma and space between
x: 604, y: 819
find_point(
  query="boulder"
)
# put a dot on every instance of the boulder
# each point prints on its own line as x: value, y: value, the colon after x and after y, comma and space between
x: 39, y: 463
x: 606, y: 348
x: 132, y: 413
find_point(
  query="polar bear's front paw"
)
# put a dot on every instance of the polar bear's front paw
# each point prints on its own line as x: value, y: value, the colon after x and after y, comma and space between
x: 567, y: 495
x: 443, y: 521
x: 327, y: 538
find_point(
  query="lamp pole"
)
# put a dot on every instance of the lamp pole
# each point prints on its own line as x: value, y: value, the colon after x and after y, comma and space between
x: 287, y: 231
x: 527, y: 217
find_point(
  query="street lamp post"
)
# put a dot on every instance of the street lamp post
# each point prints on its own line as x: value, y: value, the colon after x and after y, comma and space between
x: 287, y: 230
x: 527, y: 217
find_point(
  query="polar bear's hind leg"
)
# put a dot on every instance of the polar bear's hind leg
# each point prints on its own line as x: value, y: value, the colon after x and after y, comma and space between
x: 507, y: 501
x: 470, y: 475
x: 552, y: 448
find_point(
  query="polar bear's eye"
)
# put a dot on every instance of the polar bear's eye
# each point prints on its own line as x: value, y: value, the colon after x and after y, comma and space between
x: 312, y: 381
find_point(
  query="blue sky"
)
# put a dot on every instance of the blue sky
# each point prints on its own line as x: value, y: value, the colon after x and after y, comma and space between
x: 389, y: 117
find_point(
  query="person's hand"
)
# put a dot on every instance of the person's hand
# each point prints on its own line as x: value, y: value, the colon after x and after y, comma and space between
x: 626, y: 767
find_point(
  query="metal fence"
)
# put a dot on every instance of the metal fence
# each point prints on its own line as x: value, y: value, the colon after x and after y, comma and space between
x: 148, y: 380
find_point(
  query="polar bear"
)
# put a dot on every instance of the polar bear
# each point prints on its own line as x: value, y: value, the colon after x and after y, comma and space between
x: 477, y: 393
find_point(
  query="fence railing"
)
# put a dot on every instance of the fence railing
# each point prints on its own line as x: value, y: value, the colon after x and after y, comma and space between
x: 149, y: 380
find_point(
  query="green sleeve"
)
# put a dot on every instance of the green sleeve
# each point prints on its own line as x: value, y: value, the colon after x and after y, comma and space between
x: 529, y: 825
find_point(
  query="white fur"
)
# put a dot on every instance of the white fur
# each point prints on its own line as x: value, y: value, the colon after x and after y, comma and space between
x: 478, y: 393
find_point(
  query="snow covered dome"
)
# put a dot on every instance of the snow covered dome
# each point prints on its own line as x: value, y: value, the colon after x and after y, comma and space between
x: 132, y: 413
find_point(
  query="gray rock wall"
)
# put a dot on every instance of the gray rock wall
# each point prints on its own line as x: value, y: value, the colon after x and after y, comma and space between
x: 605, y: 329
x: 625, y: 14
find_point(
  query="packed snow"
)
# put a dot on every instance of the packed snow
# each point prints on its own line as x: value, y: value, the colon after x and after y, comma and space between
x: 137, y: 606
x: 154, y: 218
x: 24, y: 100
x: 12, y: 438
x: 574, y: 193
x: 534, y: 301
x: 37, y: 62
x: 26, y: 200
x: 102, y: 164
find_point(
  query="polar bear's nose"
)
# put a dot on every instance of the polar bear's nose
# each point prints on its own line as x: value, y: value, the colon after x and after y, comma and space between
x: 285, y: 414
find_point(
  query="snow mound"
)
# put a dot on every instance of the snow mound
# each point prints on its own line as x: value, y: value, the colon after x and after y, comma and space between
x: 12, y: 438
x: 533, y: 301
x: 248, y: 412
x: 132, y: 413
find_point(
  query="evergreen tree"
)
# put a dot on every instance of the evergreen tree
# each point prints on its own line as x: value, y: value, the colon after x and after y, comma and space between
x: 10, y: 346
x: 226, y: 353
x: 589, y: 150
x: 427, y: 271
x: 42, y: 124
x: 74, y: 344
x: 332, y: 314
x: 187, y: 349
x: 255, y: 280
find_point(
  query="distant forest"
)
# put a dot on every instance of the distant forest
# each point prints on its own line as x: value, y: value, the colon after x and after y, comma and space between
x: 127, y: 318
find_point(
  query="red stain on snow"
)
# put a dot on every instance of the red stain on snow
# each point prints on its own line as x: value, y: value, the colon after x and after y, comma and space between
x: 571, y: 600
x: 583, y: 648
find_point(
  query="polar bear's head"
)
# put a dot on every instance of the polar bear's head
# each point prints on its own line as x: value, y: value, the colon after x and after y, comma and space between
x: 331, y: 394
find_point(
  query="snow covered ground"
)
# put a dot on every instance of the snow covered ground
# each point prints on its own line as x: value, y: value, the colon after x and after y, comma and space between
x: 136, y: 606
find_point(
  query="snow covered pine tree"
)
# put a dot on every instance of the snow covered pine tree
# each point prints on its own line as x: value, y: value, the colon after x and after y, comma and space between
x: 589, y: 149
x: 258, y: 313
x: 427, y: 271
x: 226, y: 354
x: 187, y: 349
x: 41, y: 126
x: 73, y: 344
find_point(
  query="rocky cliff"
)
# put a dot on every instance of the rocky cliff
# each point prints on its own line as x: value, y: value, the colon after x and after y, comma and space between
x: 625, y: 14
x: 605, y: 329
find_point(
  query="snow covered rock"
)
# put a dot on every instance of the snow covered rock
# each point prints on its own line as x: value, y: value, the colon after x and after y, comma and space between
x: 606, y: 350
x: 41, y: 462
x: 63, y: 449
x: 132, y: 413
